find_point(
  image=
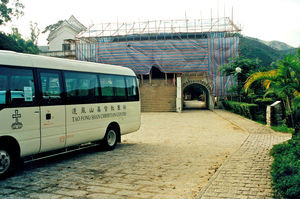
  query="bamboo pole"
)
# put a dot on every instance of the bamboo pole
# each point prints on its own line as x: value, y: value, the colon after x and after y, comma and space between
x: 166, y: 78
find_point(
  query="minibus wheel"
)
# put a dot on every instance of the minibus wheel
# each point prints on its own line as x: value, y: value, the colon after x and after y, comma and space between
x: 110, y: 140
x: 7, y: 162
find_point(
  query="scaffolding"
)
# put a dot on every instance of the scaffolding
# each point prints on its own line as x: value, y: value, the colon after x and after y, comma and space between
x: 157, y: 29
x: 172, y: 46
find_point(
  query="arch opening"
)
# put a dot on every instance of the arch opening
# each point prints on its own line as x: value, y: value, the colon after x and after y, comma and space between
x: 156, y: 73
x: 195, y: 96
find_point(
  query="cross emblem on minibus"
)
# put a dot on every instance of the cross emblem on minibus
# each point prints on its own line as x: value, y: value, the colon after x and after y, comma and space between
x: 16, y: 124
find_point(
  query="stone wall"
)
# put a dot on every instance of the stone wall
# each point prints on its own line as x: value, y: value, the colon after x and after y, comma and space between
x: 160, y: 95
x: 203, y: 79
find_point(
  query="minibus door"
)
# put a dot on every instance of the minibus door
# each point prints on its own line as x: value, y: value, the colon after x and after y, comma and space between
x: 53, y: 129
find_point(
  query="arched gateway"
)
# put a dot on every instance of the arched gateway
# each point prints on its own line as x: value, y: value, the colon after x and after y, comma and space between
x: 196, y: 92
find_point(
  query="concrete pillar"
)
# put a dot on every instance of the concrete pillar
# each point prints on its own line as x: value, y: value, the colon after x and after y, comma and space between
x: 268, y: 116
x: 211, y: 101
x: 179, y: 96
x: 274, y: 114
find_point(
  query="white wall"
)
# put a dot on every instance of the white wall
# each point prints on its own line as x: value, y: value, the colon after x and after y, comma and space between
x: 61, y: 35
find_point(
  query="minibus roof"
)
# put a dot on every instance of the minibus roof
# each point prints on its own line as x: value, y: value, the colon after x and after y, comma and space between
x: 37, y: 61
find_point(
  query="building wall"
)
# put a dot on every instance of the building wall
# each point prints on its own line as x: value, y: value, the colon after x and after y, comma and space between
x: 62, y: 54
x: 158, y: 96
x: 64, y: 33
x: 169, y: 56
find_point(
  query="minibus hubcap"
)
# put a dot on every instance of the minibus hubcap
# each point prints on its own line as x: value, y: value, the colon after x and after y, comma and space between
x: 4, y: 161
x: 111, y: 138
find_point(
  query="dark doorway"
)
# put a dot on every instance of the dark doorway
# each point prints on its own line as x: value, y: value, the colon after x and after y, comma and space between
x: 195, y: 96
x: 156, y: 73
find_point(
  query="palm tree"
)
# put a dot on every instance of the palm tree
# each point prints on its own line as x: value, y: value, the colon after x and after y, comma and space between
x: 284, y: 83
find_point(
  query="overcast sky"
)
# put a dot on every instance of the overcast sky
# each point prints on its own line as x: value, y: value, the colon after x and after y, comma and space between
x: 263, y: 19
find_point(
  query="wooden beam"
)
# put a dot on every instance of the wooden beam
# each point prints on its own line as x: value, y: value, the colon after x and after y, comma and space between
x: 166, y: 78
x: 142, y: 78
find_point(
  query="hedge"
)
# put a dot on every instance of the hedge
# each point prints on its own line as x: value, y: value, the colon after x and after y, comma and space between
x: 242, y: 108
x: 285, y: 170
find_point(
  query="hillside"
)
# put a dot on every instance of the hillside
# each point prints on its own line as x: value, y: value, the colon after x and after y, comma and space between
x: 290, y: 51
x: 253, y: 48
x: 278, y: 45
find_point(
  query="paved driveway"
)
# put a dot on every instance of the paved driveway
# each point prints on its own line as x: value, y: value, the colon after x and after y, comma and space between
x: 246, y: 173
x: 172, y: 156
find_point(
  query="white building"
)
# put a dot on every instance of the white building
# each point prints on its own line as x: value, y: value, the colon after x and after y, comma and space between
x: 66, y: 31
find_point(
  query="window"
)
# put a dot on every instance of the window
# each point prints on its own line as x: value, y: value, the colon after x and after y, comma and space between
x: 66, y: 47
x: 120, y: 87
x: 16, y: 86
x: 107, y: 90
x: 132, y: 89
x: 51, y: 87
x: 113, y: 88
x: 3, y: 87
x: 81, y: 87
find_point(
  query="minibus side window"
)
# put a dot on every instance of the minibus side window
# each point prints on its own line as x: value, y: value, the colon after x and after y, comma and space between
x: 21, y: 86
x: 132, y: 89
x: 51, y: 88
x: 107, y: 90
x: 113, y: 88
x: 119, y: 87
x: 16, y: 87
x: 81, y: 87
x: 3, y: 87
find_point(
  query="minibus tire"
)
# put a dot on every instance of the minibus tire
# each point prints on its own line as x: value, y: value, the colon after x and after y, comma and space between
x: 7, y: 160
x: 110, y: 139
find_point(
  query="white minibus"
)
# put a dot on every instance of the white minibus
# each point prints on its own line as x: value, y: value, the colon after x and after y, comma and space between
x: 56, y: 105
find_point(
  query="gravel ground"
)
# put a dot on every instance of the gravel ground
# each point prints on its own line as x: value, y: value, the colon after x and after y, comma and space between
x: 173, y: 155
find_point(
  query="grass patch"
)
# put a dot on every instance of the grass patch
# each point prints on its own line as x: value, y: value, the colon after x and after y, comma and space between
x: 260, y: 122
x: 283, y: 128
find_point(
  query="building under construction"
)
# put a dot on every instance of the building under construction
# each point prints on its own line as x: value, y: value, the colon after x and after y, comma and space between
x: 177, y: 61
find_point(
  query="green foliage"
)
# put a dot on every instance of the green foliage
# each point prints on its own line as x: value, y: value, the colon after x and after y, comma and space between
x: 283, y: 128
x: 264, y: 100
x: 35, y: 32
x: 283, y: 83
x: 241, y: 108
x: 278, y: 45
x: 255, y: 56
x: 285, y: 170
x: 15, y: 42
x: 247, y: 66
x: 252, y: 48
x: 289, y: 52
x: 9, y: 9
x: 8, y: 43
x: 52, y: 27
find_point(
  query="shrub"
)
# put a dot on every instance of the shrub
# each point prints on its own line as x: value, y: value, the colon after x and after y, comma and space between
x: 283, y: 128
x: 245, y: 109
x: 285, y: 170
x: 262, y: 106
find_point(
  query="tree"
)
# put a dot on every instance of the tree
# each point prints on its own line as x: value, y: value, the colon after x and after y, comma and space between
x: 15, y: 42
x: 247, y: 67
x: 284, y: 83
x: 10, y: 9
x: 8, y: 43
x: 35, y: 32
x: 25, y: 46
x: 52, y: 27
